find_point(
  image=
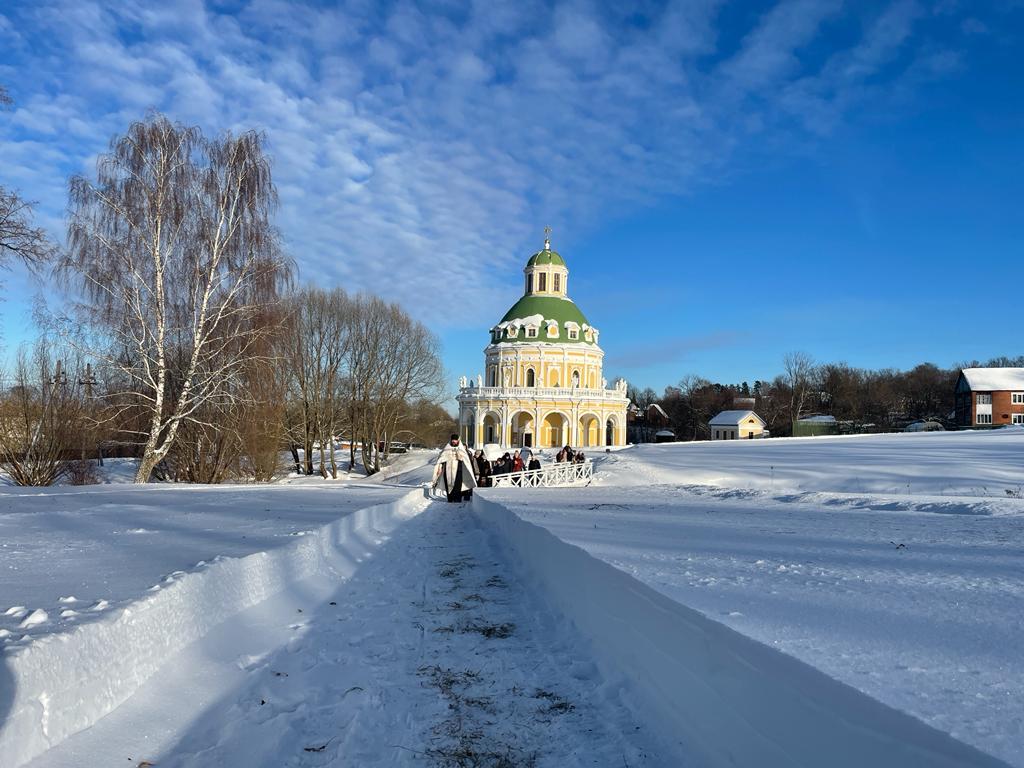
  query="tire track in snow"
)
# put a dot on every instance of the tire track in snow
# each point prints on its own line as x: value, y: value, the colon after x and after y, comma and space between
x: 433, y: 654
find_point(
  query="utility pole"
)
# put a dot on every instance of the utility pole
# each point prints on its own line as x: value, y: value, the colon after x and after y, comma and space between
x: 88, y: 382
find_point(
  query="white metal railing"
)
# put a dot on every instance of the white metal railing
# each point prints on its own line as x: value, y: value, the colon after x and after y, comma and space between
x: 491, y: 393
x: 559, y: 474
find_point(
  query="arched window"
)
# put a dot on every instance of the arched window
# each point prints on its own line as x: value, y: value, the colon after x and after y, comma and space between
x: 529, y: 283
x: 558, y: 282
x: 492, y: 377
x: 542, y: 283
x: 575, y: 378
x: 530, y: 378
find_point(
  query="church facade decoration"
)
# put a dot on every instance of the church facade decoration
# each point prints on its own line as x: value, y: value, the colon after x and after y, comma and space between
x: 543, y: 385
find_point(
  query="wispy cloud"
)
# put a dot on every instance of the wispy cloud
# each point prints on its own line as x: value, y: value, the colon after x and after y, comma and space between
x: 419, y: 151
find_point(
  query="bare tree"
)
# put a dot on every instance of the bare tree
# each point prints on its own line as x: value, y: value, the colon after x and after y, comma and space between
x: 355, y: 364
x: 799, y: 368
x: 314, y: 349
x: 18, y: 238
x: 41, y: 418
x: 173, y: 249
x: 395, y: 362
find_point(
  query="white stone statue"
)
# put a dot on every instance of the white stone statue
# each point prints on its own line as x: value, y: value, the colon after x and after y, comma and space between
x: 463, y: 382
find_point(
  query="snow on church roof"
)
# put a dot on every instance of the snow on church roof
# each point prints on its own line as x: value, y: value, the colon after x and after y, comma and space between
x: 733, y: 418
x: 994, y: 379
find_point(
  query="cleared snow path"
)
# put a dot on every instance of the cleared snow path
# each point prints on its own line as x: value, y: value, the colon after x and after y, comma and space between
x: 433, y: 653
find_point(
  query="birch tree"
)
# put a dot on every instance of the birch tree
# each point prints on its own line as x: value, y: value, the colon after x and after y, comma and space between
x: 176, y: 258
x: 800, y: 371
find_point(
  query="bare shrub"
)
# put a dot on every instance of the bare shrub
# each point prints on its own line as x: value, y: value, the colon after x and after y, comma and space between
x: 82, y: 472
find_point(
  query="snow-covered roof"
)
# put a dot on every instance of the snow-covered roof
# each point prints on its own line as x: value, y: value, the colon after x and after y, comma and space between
x: 664, y: 433
x: 534, y: 320
x: 994, y: 379
x: 660, y: 409
x: 733, y: 418
x: 818, y: 419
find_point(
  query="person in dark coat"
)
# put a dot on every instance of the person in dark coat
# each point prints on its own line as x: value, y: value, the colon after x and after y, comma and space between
x: 506, y: 464
x: 483, y: 467
x: 455, y: 468
x: 534, y: 462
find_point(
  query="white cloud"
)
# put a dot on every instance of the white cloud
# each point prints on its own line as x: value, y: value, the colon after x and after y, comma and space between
x: 419, y: 154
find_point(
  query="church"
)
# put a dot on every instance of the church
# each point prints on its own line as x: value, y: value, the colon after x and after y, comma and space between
x: 542, y: 385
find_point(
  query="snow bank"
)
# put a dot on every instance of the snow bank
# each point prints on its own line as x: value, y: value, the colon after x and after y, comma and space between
x: 64, y: 683
x: 730, y: 699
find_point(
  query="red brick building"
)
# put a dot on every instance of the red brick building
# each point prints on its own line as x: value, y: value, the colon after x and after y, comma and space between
x: 990, y: 397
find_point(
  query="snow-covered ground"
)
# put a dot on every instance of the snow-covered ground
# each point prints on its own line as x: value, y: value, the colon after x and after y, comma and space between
x: 865, y: 561
x: 988, y: 464
x: 75, y: 553
x: 739, y: 597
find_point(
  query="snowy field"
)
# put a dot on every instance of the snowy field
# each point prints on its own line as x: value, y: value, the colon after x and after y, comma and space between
x: 894, y: 563
x: 69, y: 554
x: 975, y: 464
x: 829, y: 601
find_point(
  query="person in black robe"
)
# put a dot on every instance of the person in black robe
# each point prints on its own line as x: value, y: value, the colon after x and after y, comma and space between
x: 455, y: 469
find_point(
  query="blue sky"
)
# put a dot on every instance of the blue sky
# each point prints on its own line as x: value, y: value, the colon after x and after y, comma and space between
x: 727, y: 181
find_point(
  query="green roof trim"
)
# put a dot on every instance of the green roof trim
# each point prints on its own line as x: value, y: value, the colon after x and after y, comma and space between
x: 547, y: 256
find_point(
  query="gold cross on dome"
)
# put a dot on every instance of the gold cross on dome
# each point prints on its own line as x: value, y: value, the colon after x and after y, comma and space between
x: 547, y: 238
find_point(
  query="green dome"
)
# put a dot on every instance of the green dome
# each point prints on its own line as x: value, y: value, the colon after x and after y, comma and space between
x: 547, y: 256
x: 550, y: 308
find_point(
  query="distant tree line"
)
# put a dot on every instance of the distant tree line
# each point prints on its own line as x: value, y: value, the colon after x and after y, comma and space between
x: 867, y: 400
x: 190, y: 347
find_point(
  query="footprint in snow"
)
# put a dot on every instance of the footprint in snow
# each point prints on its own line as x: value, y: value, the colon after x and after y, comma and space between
x: 100, y: 605
x: 16, y: 611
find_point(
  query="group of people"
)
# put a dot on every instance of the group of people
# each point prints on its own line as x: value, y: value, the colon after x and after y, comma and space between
x: 508, y: 463
x: 461, y: 471
x: 569, y: 455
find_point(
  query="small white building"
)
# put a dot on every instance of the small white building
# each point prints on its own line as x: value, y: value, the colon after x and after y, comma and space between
x: 737, y: 425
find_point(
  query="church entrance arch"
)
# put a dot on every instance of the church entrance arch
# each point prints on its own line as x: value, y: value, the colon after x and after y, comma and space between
x: 555, y: 430
x: 589, y: 431
x: 492, y: 427
x: 609, y: 430
x: 522, y: 430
